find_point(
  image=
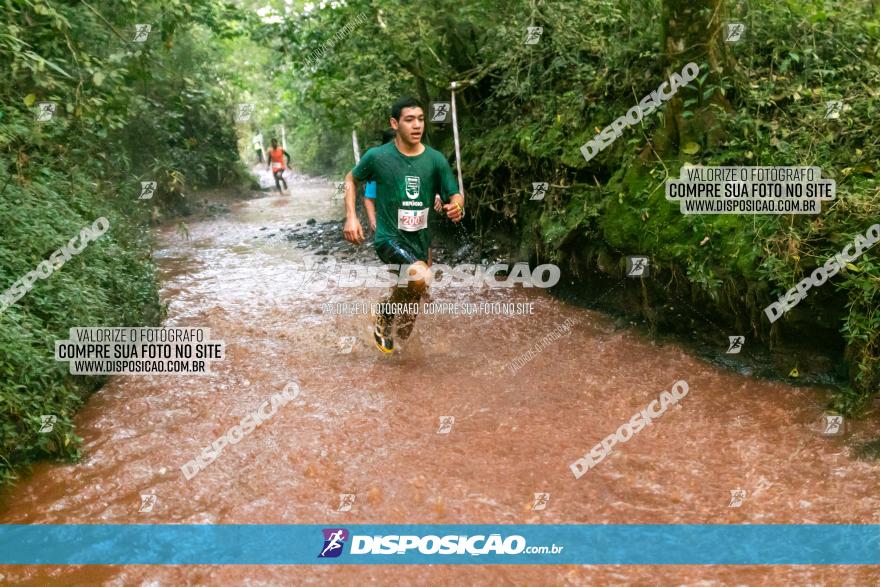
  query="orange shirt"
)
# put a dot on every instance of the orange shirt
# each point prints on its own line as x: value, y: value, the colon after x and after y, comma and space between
x: 276, y: 156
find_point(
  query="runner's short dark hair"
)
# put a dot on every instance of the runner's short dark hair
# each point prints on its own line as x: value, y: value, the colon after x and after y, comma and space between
x: 405, y: 102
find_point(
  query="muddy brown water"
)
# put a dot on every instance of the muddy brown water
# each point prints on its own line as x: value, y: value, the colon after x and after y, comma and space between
x: 367, y: 424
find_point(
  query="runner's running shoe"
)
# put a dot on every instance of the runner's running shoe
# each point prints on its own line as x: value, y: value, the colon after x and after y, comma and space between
x: 382, y: 333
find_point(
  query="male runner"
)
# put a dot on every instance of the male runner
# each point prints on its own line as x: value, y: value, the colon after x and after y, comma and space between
x: 276, y: 161
x: 407, y: 174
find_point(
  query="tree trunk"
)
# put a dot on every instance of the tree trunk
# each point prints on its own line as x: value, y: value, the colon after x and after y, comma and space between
x: 693, y: 32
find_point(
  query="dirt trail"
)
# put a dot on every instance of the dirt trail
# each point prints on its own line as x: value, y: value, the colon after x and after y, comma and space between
x: 367, y: 424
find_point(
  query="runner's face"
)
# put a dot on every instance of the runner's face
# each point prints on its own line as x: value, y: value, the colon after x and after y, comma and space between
x: 410, y: 126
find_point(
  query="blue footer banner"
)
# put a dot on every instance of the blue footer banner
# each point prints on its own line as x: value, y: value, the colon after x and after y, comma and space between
x: 629, y: 544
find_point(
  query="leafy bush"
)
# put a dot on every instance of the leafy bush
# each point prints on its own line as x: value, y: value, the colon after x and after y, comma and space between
x: 126, y: 112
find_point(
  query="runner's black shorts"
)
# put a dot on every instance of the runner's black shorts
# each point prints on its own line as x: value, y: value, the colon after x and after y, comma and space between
x: 395, y: 253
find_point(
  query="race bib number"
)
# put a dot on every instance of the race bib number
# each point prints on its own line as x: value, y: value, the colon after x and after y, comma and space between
x: 276, y: 166
x: 412, y: 220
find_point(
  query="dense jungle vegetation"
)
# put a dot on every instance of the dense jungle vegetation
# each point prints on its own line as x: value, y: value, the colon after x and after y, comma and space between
x: 163, y: 110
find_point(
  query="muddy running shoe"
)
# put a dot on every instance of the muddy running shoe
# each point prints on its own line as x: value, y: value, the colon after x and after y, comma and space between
x: 382, y: 333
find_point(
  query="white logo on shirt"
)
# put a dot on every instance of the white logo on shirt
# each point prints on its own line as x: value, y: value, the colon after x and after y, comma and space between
x: 412, y: 186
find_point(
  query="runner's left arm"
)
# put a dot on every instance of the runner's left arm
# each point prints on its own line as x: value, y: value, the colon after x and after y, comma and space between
x: 286, y: 154
x: 449, y: 191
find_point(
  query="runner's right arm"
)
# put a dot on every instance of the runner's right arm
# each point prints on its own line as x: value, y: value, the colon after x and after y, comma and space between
x: 352, y: 231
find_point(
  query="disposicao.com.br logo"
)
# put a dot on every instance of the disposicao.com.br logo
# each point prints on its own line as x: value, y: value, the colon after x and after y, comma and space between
x: 431, y: 544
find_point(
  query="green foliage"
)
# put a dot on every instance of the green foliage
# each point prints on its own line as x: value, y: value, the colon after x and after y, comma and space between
x: 126, y: 112
x: 109, y: 283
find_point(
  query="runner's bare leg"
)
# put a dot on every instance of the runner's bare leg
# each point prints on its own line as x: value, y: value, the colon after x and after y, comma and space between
x: 412, y: 294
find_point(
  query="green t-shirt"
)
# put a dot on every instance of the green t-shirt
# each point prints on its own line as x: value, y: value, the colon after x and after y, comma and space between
x: 405, y: 188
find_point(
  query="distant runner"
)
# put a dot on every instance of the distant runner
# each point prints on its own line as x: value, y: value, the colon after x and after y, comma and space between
x: 276, y: 162
x: 258, y: 147
x: 407, y: 174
